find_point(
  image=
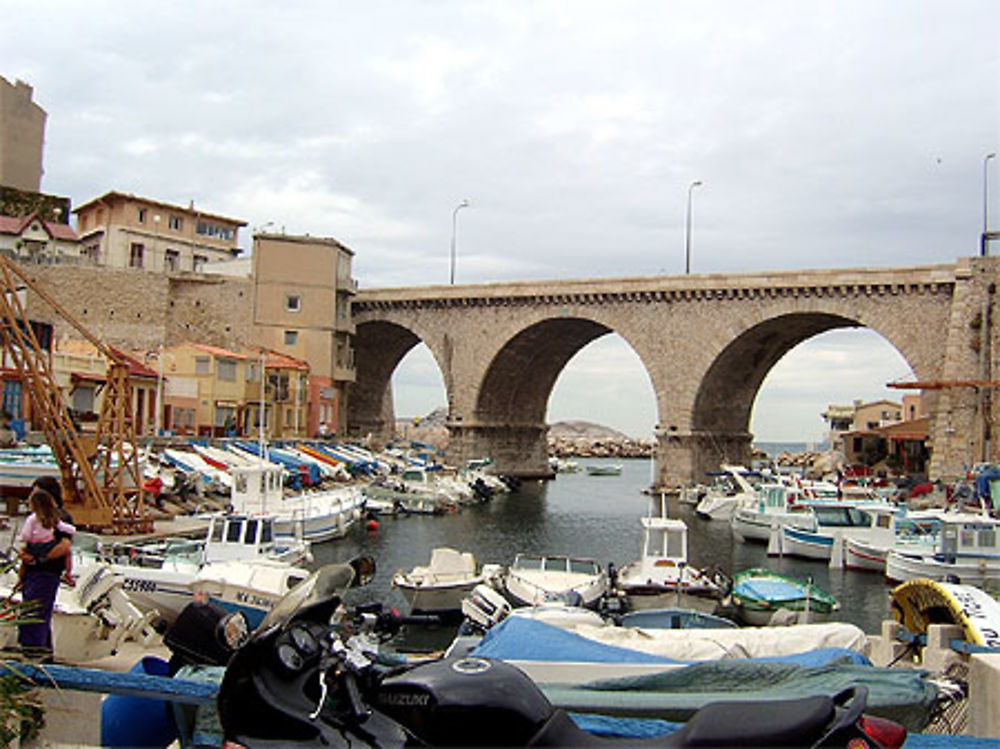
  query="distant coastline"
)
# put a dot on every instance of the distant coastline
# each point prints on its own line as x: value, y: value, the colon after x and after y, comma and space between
x: 774, y: 449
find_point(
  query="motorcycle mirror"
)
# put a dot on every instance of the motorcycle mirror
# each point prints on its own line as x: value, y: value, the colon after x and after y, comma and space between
x: 233, y: 631
x: 364, y: 570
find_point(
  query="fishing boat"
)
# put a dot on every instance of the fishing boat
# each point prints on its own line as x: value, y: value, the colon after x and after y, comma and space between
x: 662, y: 567
x: 775, y: 504
x: 612, y: 469
x: 313, y: 516
x: 832, y: 524
x: 967, y: 551
x: 440, y: 586
x: 759, y: 593
x: 534, y: 579
x: 910, y: 533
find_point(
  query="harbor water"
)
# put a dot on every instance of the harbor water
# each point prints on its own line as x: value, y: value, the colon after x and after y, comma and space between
x: 588, y: 516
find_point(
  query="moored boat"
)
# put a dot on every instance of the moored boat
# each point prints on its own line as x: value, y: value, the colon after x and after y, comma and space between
x: 538, y: 578
x: 758, y: 593
x: 441, y: 585
x: 967, y: 551
x: 719, y: 502
x: 612, y: 469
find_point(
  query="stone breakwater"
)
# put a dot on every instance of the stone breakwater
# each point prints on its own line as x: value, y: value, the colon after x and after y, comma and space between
x: 577, y: 447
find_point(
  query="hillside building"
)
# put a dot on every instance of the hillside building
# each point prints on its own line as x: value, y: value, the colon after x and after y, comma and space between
x: 118, y: 230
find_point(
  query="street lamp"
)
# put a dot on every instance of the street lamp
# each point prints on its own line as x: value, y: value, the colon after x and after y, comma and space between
x: 454, y: 224
x: 986, y: 204
x: 687, y: 233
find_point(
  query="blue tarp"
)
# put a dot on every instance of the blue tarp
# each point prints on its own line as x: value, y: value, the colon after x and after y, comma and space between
x: 521, y: 639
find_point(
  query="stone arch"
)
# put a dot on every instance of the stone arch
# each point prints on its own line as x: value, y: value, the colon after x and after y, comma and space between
x: 379, y: 346
x: 516, y: 386
x: 727, y: 390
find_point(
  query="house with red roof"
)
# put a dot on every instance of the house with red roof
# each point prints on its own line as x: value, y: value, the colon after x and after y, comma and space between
x: 31, y: 239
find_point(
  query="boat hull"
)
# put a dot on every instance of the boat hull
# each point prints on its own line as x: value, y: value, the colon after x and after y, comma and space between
x: 862, y: 555
x: 797, y: 542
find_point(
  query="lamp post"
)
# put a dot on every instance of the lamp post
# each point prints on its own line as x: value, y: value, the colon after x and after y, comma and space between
x: 687, y: 232
x: 986, y: 204
x: 454, y: 225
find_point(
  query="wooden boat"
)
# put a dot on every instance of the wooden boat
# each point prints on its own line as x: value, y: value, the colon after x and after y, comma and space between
x: 441, y: 585
x: 759, y: 593
x: 912, y: 533
x: 539, y: 578
x: 776, y: 504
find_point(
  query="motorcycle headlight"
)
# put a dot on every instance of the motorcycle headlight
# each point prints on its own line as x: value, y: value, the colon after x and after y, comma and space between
x: 233, y: 631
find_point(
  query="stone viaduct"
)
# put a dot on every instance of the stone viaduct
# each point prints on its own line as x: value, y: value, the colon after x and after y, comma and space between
x: 706, y: 341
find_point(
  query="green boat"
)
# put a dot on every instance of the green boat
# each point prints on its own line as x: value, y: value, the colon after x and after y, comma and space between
x: 758, y: 593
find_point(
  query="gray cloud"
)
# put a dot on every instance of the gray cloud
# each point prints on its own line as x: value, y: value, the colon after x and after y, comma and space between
x: 830, y: 134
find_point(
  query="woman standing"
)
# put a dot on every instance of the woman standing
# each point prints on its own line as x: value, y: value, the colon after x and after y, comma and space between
x: 41, y: 575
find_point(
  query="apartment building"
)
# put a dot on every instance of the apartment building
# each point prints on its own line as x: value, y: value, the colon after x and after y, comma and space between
x: 22, y: 136
x: 302, y: 308
x: 119, y: 230
x: 211, y: 391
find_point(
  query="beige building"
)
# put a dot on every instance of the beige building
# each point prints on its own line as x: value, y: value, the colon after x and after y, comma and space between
x: 22, y: 135
x: 210, y: 391
x: 118, y: 230
x: 302, y: 308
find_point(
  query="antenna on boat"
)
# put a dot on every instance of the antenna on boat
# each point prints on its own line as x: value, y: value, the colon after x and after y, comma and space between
x: 262, y: 447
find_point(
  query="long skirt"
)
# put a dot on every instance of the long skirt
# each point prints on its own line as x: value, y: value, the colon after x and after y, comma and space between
x: 39, y: 596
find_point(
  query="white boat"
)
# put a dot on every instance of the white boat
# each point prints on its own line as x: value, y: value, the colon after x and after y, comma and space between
x: 721, y: 500
x: 910, y: 533
x: 89, y: 621
x: 775, y: 504
x: 236, y: 585
x: 312, y: 515
x: 832, y: 525
x: 662, y: 567
x: 968, y: 551
x: 539, y: 578
x: 441, y: 585
x: 612, y: 469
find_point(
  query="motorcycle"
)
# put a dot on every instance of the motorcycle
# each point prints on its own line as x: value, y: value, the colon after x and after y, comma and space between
x: 314, y: 674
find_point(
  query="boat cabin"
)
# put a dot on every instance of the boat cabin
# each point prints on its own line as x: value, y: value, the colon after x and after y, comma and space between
x: 969, y: 538
x: 256, y: 487
x: 238, y: 537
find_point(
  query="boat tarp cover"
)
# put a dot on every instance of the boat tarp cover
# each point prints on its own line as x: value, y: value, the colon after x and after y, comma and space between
x: 521, y: 638
x: 902, y: 695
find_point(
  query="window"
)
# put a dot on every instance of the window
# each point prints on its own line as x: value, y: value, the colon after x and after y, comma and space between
x: 176, y: 223
x: 83, y: 399
x: 293, y: 303
x: 172, y: 260
x: 207, y: 229
x: 252, y: 373
x: 291, y: 337
x: 142, y: 215
x: 202, y: 365
x: 226, y: 369
x: 198, y: 262
x: 136, y: 255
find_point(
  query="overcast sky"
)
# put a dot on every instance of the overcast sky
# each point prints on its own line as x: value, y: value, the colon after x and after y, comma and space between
x: 827, y: 134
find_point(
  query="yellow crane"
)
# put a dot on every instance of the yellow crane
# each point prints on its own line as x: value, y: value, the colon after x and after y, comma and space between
x: 101, y: 479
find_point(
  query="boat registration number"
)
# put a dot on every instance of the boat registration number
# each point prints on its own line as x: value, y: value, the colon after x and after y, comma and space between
x: 138, y: 585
